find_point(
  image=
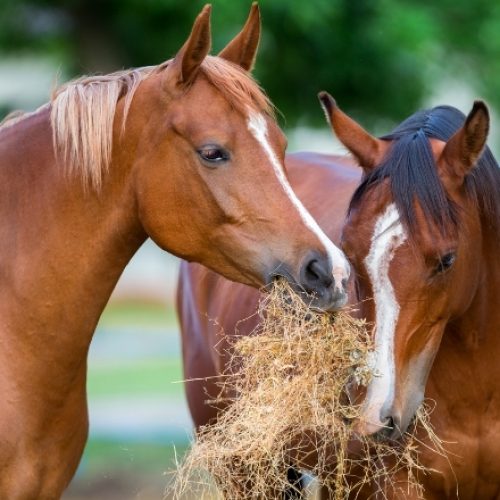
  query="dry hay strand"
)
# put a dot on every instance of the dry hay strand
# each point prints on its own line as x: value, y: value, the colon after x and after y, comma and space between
x: 288, y: 406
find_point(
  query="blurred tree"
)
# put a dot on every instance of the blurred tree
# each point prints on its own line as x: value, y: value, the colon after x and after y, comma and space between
x: 378, y: 58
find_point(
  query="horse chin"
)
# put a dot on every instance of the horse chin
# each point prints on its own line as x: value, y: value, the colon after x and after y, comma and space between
x: 331, y: 301
x: 409, y: 415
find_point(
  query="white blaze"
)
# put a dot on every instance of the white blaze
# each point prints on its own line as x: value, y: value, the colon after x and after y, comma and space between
x: 257, y: 125
x: 388, y: 235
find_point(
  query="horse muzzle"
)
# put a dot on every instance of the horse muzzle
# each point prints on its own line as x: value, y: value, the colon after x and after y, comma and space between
x: 391, y: 423
x: 326, y: 287
x: 322, y: 286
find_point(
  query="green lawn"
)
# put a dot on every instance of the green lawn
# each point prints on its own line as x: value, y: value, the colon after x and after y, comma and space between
x: 112, y: 470
x: 137, y: 457
x: 145, y: 377
x: 129, y: 313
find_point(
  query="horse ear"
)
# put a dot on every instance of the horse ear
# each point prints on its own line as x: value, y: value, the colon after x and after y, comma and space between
x: 242, y: 49
x: 368, y: 150
x: 464, y: 148
x: 189, y: 58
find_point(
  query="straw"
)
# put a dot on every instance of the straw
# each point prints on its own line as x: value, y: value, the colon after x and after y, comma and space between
x: 287, y: 386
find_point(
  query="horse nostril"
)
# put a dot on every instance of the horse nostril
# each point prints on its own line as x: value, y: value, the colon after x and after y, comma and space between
x: 315, y: 274
x: 389, y: 426
x: 312, y: 271
x: 318, y: 282
x: 390, y: 431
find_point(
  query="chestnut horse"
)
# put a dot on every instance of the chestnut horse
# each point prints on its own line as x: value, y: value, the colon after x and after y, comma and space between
x: 420, y: 222
x: 186, y: 153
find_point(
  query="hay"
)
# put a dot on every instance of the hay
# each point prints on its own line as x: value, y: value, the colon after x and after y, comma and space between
x: 288, y: 406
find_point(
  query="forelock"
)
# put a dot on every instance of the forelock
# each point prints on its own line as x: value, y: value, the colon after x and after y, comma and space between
x: 237, y: 86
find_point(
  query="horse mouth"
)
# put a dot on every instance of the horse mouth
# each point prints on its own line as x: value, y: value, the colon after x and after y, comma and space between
x: 328, y: 299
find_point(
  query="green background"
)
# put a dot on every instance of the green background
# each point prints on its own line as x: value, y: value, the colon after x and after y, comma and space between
x: 379, y: 58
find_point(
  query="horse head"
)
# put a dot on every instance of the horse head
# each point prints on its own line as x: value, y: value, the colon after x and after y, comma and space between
x: 413, y: 234
x: 206, y: 126
x: 195, y: 144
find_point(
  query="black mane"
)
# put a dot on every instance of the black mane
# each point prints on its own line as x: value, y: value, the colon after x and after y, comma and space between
x: 412, y: 173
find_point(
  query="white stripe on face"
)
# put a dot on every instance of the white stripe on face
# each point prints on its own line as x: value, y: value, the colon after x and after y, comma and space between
x: 388, y: 235
x: 257, y: 125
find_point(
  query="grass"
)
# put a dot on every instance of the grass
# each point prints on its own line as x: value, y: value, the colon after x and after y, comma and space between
x: 145, y: 377
x: 141, y: 457
x: 132, y: 313
x: 113, y: 470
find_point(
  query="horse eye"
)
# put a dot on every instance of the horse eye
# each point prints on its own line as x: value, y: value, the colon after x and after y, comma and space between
x: 445, y: 262
x: 213, y: 154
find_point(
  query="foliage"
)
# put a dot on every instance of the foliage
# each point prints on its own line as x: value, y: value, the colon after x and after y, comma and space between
x: 379, y: 58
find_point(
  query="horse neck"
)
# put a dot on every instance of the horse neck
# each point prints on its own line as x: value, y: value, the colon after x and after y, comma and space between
x: 62, y: 249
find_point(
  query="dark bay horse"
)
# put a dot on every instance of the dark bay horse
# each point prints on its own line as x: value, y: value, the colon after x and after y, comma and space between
x: 420, y: 223
x: 187, y: 153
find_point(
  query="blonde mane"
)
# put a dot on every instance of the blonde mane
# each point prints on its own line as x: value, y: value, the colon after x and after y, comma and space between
x: 82, y: 116
x: 83, y: 111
